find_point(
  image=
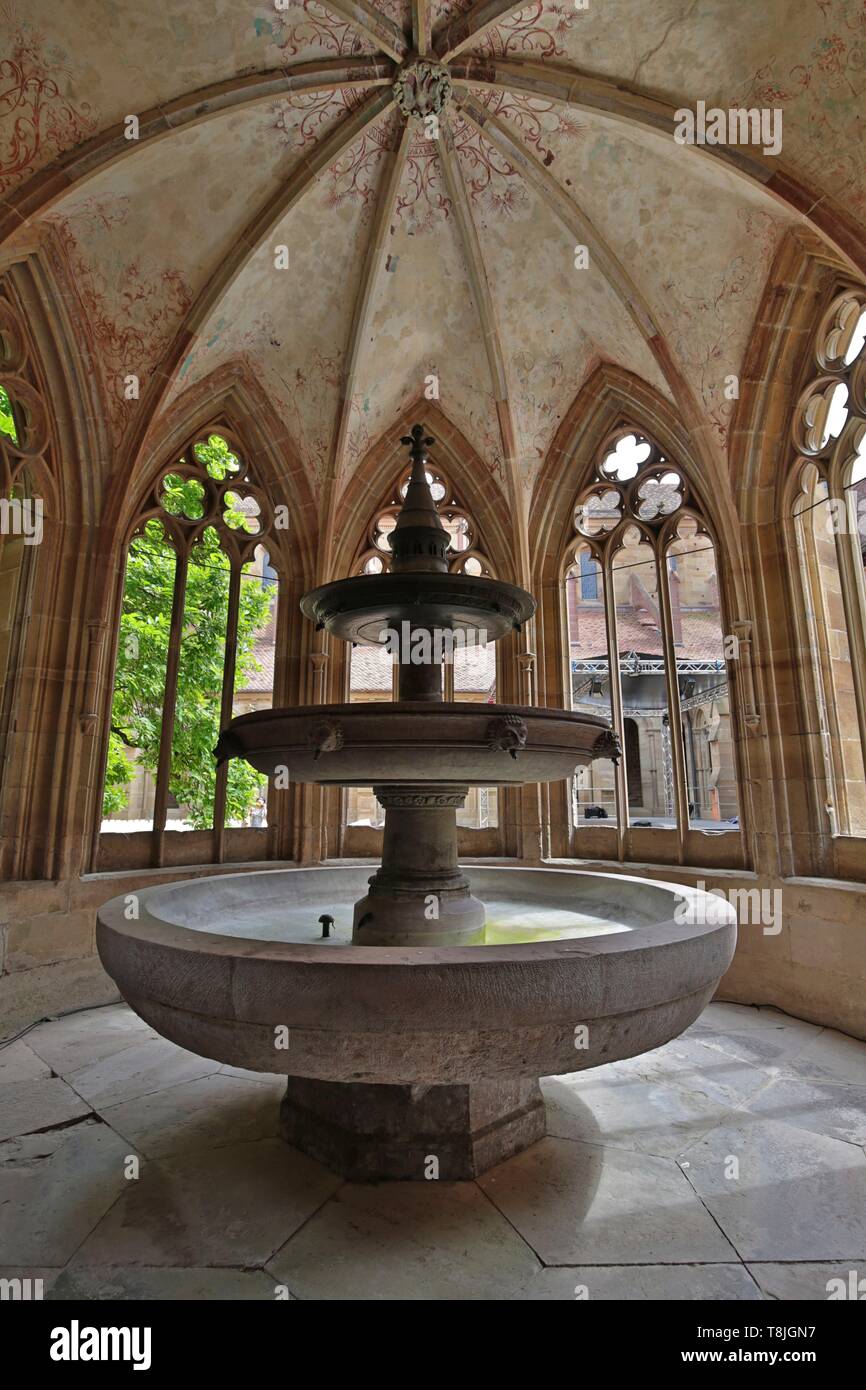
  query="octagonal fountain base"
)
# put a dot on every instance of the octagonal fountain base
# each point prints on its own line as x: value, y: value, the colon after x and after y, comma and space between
x: 397, y: 1057
x: 369, y: 1133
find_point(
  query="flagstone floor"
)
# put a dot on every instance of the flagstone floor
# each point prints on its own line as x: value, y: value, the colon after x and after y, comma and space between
x: 729, y: 1164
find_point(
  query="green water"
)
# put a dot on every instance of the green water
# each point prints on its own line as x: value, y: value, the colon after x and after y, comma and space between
x: 525, y: 924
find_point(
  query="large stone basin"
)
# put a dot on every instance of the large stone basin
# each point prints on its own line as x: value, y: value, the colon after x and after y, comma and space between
x: 436, y: 1050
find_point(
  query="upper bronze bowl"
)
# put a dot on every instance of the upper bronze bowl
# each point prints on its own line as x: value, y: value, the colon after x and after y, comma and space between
x: 364, y: 607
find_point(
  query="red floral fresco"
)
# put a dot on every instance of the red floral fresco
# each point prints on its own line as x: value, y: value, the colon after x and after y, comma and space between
x: 525, y: 32
x: 318, y: 26
x: 352, y: 177
x: 422, y: 198
x: 359, y: 438
x: 37, y: 120
x: 319, y: 111
x: 826, y: 89
x: 494, y: 186
x: 129, y: 314
x: 398, y: 11
x: 534, y: 118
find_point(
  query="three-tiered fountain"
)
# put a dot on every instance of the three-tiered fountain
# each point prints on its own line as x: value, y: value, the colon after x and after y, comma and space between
x: 417, y: 1039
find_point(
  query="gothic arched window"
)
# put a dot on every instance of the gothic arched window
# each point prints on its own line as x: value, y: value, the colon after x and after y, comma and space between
x: 196, y: 646
x: 472, y: 673
x: 829, y: 506
x: 642, y: 601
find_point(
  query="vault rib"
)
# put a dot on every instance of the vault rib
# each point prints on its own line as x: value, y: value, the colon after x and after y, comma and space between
x: 601, y: 254
x: 567, y: 210
x: 83, y: 162
x: 421, y: 22
x: 373, y: 24
x: 491, y: 335
x: 563, y: 83
x: 465, y: 29
x: 268, y: 217
x: 262, y: 225
x: 371, y: 273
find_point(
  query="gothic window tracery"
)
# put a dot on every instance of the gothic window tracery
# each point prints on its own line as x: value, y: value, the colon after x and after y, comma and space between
x: 196, y: 646
x: 642, y: 601
x: 464, y: 551
x: 829, y: 508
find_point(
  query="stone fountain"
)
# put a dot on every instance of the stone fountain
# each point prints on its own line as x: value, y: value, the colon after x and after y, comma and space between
x: 413, y: 1042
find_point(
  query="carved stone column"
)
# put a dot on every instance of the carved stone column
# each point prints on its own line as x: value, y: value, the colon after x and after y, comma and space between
x: 419, y: 896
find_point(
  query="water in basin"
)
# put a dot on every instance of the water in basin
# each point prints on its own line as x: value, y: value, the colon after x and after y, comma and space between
x: 508, y: 923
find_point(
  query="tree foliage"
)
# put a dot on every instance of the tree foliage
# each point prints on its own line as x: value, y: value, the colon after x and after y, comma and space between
x: 7, y: 421
x: 143, y: 647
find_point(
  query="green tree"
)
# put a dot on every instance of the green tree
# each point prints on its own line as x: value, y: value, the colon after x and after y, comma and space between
x: 7, y: 421
x: 139, y: 686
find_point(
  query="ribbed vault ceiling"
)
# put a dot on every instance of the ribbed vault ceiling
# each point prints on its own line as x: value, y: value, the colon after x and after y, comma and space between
x: 411, y: 258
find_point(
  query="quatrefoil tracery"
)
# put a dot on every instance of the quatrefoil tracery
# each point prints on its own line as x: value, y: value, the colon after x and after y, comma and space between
x: 208, y: 487
x: 635, y: 481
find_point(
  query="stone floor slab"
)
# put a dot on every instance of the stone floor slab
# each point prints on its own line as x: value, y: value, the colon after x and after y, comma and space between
x: 690, y: 1064
x: 67, y: 1044
x: 626, y: 1112
x: 791, y: 1034
x: 638, y: 1283
x: 813, y: 1283
x: 18, y: 1062
x: 797, y: 1196
x: 577, y: 1203
x: 200, y: 1114
x: 405, y: 1241
x: 829, y: 1108
x: 232, y: 1206
x: 143, y: 1285
x: 55, y: 1187
x: 29, y: 1106
x: 139, y: 1070
x: 601, y: 1200
x: 830, y: 1056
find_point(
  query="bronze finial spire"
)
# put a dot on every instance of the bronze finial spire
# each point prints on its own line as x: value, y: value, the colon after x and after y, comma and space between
x: 418, y: 441
x: 419, y: 541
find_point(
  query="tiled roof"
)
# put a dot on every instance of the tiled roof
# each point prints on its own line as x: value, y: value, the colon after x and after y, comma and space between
x: 474, y: 669
x: 261, y: 682
x: 702, y: 638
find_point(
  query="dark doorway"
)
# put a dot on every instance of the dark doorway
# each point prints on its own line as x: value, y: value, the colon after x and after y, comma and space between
x: 632, y: 763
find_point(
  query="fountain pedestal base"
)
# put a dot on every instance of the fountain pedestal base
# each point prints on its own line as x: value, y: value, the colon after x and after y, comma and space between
x: 419, y: 896
x: 371, y: 1133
